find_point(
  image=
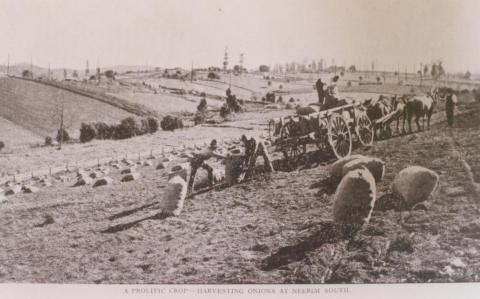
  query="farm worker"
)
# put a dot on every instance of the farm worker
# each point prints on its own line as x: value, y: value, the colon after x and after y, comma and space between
x: 333, y: 88
x: 320, y: 90
x: 450, y: 104
x: 253, y: 149
x: 331, y: 98
x: 198, y: 161
x: 234, y: 163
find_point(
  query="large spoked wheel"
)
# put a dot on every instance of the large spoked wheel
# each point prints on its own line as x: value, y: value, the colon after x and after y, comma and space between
x: 364, y: 129
x: 321, y: 136
x: 339, y: 136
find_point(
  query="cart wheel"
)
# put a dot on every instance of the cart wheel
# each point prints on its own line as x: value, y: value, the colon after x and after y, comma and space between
x: 294, y: 152
x: 339, y: 136
x: 322, y: 133
x: 364, y: 129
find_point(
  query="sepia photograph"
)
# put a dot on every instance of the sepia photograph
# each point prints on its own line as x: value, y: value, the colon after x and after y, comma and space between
x: 310, y: 146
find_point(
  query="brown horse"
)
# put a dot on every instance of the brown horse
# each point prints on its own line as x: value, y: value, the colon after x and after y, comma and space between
x: 421, y: 107
x: 377, y: 109
x: 399, y: 104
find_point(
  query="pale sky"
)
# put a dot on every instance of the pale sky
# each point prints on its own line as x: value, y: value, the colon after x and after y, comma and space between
x: 170, y: 33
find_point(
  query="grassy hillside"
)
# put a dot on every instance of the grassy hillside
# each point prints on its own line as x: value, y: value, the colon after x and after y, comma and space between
x: 35, y: 107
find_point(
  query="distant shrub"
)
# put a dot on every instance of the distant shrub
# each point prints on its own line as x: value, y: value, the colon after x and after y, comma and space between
x: 170, y: 123
x: 213, y: 76
x: 87, y: 132
x: 127, y: 128
x: 233, y: 103
x: 476, y: 94
x: 291, y: 100
x: 65, y: 136
x: 110, y: 74
x: 152, y: 124
x: 202, y: 107
x: 26, y: 74
x: 224, y: 111
x: 48, y: 141
x: 104, y: 131
x: 203, y: 94
x: 199, y: 119
x: 349, y: 83
x: 2, y: 145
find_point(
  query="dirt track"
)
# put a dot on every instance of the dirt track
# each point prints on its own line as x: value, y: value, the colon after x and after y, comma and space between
x: 225, y: 236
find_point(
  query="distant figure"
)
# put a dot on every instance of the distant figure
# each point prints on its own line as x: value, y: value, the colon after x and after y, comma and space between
x: 331, y: 98
x: 450, y: 104
x: 253, y: 149
x: 198, y: 161
x: 321, y: 92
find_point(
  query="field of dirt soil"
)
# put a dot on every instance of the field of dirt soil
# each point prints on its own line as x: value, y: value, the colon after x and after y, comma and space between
x: 274, y: 229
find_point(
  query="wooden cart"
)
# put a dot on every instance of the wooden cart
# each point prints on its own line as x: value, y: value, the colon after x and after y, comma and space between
x: 334, y: 130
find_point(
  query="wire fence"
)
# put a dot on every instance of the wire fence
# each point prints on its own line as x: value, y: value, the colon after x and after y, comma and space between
x: 73, y: 165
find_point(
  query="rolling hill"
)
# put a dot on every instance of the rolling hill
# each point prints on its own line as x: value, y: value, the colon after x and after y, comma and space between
x: 35, y: 107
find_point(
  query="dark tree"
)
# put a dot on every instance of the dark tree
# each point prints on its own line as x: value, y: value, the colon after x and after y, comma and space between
x: 26, y: 74
x: 467, y: 75
x: 264, y: 68
x: 110, y: 74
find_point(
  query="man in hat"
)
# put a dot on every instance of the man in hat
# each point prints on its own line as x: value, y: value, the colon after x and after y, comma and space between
x: 450, y: 103
x: 198, y: 160
x: 321, y: 92
x: 331, y: 99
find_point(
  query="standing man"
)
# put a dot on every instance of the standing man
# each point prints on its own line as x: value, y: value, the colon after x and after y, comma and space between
x: 450, y: 104
x: 253, y: 149
x: 321, y: 92
x: 198, y: 160
x: 331, y: 98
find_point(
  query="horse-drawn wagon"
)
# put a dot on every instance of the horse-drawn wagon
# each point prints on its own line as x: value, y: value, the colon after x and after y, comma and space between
x: 334, y: 130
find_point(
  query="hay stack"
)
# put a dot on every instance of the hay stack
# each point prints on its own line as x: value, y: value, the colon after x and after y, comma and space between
x: 103, y: 181
x: 415, y: 184
x: 174, y: 196
x: 354, y: 201
x: 183, y: 170
x: 374, y: 165
x: 336, y: 170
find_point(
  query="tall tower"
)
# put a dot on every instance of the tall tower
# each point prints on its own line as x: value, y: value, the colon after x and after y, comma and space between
x: 225, y: 60
x: 241, y: 62
x: 87, y: 71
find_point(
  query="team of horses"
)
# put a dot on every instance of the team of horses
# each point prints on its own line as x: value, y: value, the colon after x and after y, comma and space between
x: 404, y: 108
